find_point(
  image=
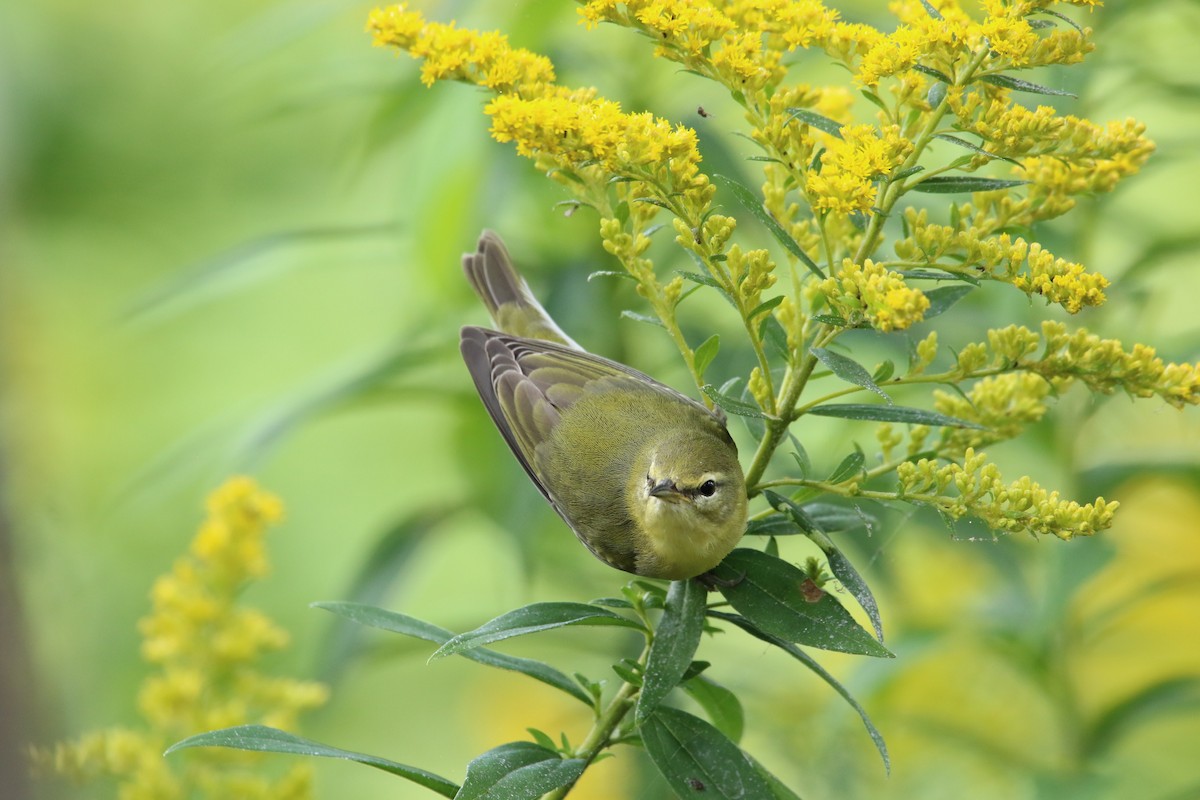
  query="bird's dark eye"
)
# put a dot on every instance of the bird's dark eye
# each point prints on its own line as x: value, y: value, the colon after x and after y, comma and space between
x: 708, y: 488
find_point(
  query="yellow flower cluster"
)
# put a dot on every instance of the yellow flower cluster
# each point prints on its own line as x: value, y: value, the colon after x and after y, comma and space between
x: 582, y: 137
x: 449, y: 53
x: 752, y: 273
x: 739, y: 43
x: 969, y: 248
x: 980, y: 491
x: 1002, y: 404
x: 205, y: 646
x: 845, y: 183
x: 869, y: 292
x: 1103, y: 365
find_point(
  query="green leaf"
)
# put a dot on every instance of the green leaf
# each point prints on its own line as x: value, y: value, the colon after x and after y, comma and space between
x: 674, y: 644
x: 698, y: 761
x: 779, y: 790
x: 884, y: 371
x: 749, y: 200
x: 791, y: 510
x: 767, y: 591
x: 876, y: 100
x: 943, y: 297
x: 851, y: 466
x: 845, y: 572
x: 815, y: 120
x: 621, y: 212
x: 931, y: 11
x: 831, y: 319
x: 808, y: 661
x: 933, y: 73
x: 654, y: 201
x: 764, y: 306
x: 838, y: 564
x: 699, y: 277
x: 945, y: 137
x: 706, y: 352
x: 636, y: 317
x: 881, y: 413
x: 949, y: 184
x: 732, y: 405
x: 532, y: 619
x: 774, y: 525
x: 848, y: 370
x: 518, y: 771
x: 608, y: 273
x: 1018, y: 85
x: 1062, y: 17
x: 721, y: 705
x: 418, y: 629
x: 832, y: 518
x: 772, y: 333
x: 262, y: 739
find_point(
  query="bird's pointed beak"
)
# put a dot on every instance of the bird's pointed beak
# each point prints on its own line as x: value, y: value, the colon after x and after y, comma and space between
x: 665, y: 490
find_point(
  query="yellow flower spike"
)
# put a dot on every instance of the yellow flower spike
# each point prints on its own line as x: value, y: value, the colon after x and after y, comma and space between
x: 205, y: 650
x: 1021, y: 506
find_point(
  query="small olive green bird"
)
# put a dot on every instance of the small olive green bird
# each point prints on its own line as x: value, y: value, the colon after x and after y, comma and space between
x: 647, y: 478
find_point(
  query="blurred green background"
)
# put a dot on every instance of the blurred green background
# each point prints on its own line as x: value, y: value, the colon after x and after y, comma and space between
x: 220, y: 218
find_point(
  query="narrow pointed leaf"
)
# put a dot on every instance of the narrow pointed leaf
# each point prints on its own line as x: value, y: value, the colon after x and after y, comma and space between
x: 948, y: 184
x: 771, y: 332
x: 698, y: 761
x: 518, y: 771
x: 636, y: 317
x: 973, y: 147
x: 764, y: 306
x: 732, y: 405
x: 706, y: 352
x: 262, y: 739
x: 933, y: 73
x: 418, y: 629
x: 882, y: 413
x: 1018, y: 85
x: 845, y: 572
x: 779, y: 790
x: 532, y: 619
x: 605, y: 273
x: 674, y: 644
x: 768, y: 592
x: 832, y: 518
x: 851, y: 465
x: 808, y: 661
x: 1062, y: 17
x: 792, y: 510
x: 751, y: 203
x: 722, y: 706
x: 774, y: 525
x: 943, y: 297
x: 848, y: 370
x: 815, y: 120
x: 931, y: 11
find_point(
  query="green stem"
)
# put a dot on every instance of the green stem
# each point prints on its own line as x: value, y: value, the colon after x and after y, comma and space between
x: 793, y: 384
x: 606, y: 722
x: 892, y: 192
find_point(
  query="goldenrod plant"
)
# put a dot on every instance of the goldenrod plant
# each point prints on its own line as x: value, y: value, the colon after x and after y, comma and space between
x: 927, y: 177
x: 205, y: 647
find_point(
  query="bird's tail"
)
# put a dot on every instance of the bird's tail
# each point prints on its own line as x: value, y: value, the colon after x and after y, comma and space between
x: 512, y: 306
